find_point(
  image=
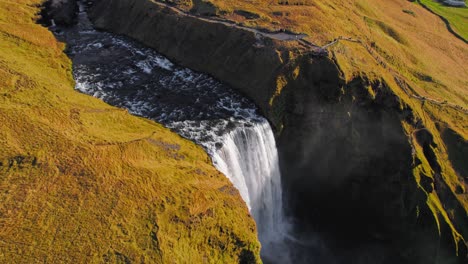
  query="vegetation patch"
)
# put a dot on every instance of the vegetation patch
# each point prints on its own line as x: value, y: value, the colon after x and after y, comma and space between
x: 456, y: 17
x: 247, y: 14
x: 409, y: 12
x: 388, y: 30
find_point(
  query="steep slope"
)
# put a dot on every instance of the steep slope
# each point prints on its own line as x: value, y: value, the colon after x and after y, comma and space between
x: 371, y: 133
x: 83, y: 182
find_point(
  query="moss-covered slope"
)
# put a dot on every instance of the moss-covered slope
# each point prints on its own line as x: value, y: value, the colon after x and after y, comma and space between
x: 83, y: 182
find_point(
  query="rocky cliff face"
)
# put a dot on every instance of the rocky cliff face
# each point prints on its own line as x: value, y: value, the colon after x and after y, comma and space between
x: 236, y: 56
x: 360, y: 163
x: 62, y: 12
x: 351, y: 170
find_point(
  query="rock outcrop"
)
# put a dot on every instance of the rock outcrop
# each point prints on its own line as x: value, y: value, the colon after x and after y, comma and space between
x: 61, y: 12
x: 355, y: 163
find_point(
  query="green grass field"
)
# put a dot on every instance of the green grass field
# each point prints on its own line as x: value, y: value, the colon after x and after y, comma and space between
x: 457, y: 16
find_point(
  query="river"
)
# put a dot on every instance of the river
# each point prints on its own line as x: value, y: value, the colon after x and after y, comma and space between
x: 229, y: 127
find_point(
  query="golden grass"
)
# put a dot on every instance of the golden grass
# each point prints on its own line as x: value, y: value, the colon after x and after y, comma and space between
x: 83, y: 182
x: 442, y: 214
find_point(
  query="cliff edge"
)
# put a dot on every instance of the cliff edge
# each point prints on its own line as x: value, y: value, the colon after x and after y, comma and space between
x: 84, y: 182
x: 371, y: 157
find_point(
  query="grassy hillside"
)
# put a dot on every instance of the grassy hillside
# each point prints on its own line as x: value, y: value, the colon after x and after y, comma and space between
x: 83, y: 182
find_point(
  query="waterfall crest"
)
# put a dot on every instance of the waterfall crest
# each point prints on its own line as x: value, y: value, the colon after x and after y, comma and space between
x: 198, y: 107
x: 249, y: 158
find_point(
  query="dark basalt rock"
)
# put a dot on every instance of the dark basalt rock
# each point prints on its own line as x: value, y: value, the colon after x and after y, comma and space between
x: 204, y: 8
x: 247, y: 14
x: 62, y: 12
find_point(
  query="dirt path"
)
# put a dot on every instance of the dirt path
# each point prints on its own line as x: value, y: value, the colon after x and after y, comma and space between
x: 283, y: 36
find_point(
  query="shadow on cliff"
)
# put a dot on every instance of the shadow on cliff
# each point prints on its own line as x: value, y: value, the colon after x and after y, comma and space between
x: 348, y: 172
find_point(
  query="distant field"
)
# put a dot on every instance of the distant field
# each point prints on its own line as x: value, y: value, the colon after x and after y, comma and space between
x: 457, y: 17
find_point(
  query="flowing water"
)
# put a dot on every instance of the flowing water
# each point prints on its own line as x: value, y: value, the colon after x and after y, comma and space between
x: 239, y: 140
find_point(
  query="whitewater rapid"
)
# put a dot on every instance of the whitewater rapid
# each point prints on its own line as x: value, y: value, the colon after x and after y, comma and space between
x: 239, y: 140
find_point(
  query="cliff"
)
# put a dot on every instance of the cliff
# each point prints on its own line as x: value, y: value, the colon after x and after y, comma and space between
x: 59, y: 12
x: 369, y: 163
x: 83, y: 182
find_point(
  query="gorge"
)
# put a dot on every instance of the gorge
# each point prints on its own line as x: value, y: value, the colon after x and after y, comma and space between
x: 240, y: 141
x: 342, y: 133
x: 353, y: 151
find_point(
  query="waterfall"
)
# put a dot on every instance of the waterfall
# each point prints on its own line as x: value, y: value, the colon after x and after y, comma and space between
x: 240, y: 141
x: 249, y: 158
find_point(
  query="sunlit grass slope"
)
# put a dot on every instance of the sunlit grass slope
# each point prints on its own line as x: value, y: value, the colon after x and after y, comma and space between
x: 83, y: 182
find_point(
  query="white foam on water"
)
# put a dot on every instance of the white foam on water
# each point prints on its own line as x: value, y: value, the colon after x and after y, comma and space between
x: 239, y: 140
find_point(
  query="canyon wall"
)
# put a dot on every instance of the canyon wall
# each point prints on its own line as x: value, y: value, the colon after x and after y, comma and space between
x: 360, y: 166
x: 60, y: 12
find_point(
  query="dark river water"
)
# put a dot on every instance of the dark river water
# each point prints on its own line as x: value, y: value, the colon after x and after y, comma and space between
x: 239, y: 140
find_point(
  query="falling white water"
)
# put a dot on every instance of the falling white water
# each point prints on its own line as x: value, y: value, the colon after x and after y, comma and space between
x: 249, y: 158
x: 239, y: 140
